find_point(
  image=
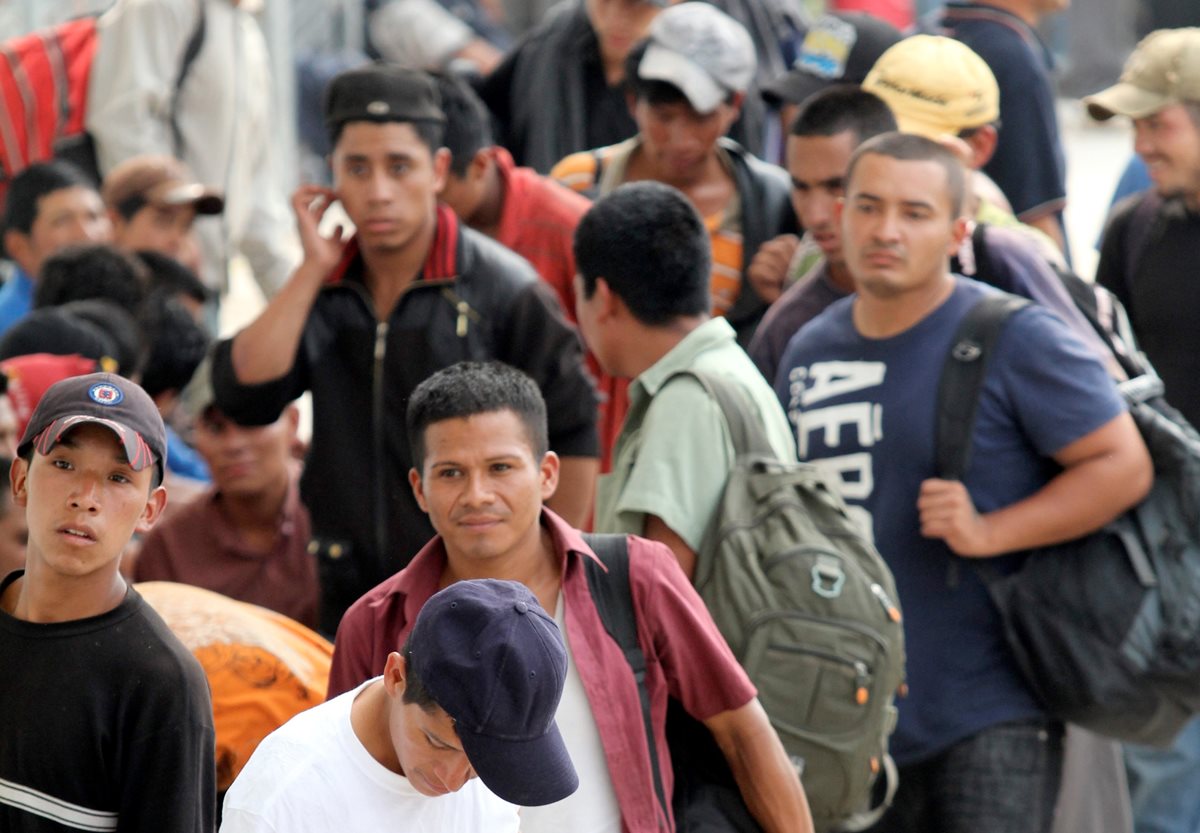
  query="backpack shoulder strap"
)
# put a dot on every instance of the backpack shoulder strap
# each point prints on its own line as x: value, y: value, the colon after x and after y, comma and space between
x: 191, y: 51
x: 745, y: 426
x: 613, y: 598
x: 962, y: 380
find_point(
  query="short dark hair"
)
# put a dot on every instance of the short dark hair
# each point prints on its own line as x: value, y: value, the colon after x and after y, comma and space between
x: 841, y: 108
x: 469, y: 388
x: 92, y: 270
x: 415, y: 692
x: 56, y: 331
x: 168, y: 276
x: 30, y: 185
x: 120, y: 326
x: 177, y: 345
x: 430, y: 133
x: 909, y: 147
x: 651, y: 247
x: 468, y: 124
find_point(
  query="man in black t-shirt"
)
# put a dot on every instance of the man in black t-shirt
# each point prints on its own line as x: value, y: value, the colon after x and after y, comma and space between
x: 1147, y: 259
x: 108, y: 719
x: 1153, y: 239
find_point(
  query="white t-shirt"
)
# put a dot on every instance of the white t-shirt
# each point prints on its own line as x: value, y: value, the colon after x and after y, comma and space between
x: 313, y: 775
x: 593, y: 807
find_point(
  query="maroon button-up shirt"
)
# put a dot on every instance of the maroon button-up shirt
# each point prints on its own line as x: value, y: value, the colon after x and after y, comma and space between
x: 686, y: 656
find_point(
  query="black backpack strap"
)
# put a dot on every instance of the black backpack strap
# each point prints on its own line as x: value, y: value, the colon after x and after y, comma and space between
x: 613, y: 598
x: 194, y: 44
x: 962, y: 380
x: 745, y: 424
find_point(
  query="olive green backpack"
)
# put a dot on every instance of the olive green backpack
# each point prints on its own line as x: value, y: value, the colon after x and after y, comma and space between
x: 809, y: 608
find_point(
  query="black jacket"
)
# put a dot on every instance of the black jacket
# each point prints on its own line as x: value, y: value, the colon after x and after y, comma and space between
x: 538, y: 94
x: 366, y: 522
x: 765, y: 192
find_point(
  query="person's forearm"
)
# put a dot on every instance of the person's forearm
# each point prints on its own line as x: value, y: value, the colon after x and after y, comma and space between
x: 1078, y: 501
x: 266, y: 349
x: 575, y: 496
x: 765, y: 777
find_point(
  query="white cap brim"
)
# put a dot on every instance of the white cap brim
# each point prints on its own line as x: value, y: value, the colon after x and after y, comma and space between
x: 701, y: 89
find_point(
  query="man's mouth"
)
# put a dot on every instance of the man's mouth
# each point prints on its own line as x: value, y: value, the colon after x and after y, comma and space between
x: 80, y: 532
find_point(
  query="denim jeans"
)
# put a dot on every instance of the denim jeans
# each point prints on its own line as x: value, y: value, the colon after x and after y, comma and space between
x: 1004, y: 779
x: 1164, y: 784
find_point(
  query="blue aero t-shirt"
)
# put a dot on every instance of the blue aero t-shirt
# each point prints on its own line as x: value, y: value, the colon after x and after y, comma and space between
x: 865, y: 410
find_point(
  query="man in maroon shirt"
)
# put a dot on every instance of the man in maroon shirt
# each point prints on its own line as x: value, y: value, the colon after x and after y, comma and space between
x: 478, y: 434
x: 246, y: 537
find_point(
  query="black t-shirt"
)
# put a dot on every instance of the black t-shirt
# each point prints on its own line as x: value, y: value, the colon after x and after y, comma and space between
x: 107, y: 725
x: 1162, y: 295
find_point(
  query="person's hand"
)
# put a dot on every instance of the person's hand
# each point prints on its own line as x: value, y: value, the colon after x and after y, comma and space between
x: 769, y: 267
x: 309, y: 203
x: 947, y: 512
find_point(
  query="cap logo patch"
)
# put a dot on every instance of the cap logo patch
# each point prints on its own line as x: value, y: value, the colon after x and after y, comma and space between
x: 378, y: 108
x: 827, y: 48
x: 104, y: 393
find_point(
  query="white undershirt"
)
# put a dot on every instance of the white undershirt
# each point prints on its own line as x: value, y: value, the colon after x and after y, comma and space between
x: 593, y: 807
x: 313, y: 775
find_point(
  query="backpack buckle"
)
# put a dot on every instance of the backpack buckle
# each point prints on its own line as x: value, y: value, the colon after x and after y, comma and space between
x: 828, y: 578
x: 967, y: 351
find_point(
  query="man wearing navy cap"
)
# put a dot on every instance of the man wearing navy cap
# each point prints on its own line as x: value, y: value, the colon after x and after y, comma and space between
x: 363, y: 323
x: 108, y: 717
x: 473, y: 694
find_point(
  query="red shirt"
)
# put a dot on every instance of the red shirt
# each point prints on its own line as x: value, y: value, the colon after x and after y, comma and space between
x: 686, y: 655
x: 199, y: 546
x: 538, y: 222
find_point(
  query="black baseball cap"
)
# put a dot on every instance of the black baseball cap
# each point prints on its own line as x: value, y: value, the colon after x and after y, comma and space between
x: 839, y: 48
x: 102, y: 399
x: 382, y: 93
x: 495, y: 662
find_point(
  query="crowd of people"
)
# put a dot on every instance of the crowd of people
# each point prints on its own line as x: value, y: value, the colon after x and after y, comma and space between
x: 553, y: 236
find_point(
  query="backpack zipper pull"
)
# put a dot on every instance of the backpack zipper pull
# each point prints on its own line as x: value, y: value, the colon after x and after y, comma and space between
x: 862, y: 678
x: 892, y: 611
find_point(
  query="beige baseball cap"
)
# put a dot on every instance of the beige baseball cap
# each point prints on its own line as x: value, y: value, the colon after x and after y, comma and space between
x: 935, y: 86
x: 1163, y: 70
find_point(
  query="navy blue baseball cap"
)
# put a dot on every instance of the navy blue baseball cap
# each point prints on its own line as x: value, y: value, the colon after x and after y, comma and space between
x: 103, y: 399
x: 494, y: 661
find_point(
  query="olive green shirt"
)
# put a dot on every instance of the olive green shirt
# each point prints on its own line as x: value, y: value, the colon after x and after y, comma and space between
x: 674, y: 453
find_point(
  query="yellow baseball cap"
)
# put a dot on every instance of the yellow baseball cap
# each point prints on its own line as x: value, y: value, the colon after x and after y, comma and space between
x: 1163, y: 70
x: 935, y: 86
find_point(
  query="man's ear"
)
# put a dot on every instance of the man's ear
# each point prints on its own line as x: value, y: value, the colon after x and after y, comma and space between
x: 480, y: 163
x: 441, y: 169
x: 118, y: 222
x: 983, y: 145
x: 155, y: 503
x: 607, y: 302
x: 549, y: 472
x: 414, y: 480
x: 292, y: 414
x: 19, y: 247
x: 735, y: 104
x: 395, y: 672
x: 963, y: 226
x: 18, y: 479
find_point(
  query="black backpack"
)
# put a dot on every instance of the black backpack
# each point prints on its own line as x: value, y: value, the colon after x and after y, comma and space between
x: 1105, y: 628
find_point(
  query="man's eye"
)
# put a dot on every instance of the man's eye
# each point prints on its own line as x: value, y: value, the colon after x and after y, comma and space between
x: 61, y: 464
x: 120, y: 478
